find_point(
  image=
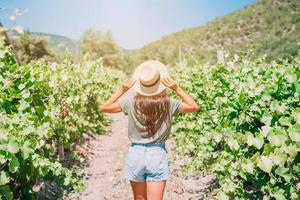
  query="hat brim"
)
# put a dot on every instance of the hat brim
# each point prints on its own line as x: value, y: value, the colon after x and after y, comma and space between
x: 157, y: 88
x: 150, y: 91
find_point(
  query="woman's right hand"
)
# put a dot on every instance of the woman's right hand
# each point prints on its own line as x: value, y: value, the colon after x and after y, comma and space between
x: 168, y: 82
x: 128, y: 84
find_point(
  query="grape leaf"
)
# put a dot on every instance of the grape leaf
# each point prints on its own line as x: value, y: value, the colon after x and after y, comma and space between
x: 265, y: 163
x: 14, y: 164
x: 4, y: 178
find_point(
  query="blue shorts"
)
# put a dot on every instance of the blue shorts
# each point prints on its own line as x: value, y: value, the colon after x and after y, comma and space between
x: 146, y: 162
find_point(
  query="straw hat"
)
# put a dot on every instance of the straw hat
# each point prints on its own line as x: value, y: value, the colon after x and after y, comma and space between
x: 148, y: 76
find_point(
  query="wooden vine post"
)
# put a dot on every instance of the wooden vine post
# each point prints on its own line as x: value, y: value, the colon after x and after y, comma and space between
x: 61, y: 152
x: 220, y: 55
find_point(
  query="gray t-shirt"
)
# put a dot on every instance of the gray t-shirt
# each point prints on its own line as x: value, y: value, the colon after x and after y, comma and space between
x: 134, y: 127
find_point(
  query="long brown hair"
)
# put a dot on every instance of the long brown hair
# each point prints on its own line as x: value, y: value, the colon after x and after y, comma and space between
x: 152, y: 111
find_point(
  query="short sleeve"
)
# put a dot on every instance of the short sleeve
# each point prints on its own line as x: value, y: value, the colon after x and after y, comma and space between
x: 175, y: 106
x: 124, y: 104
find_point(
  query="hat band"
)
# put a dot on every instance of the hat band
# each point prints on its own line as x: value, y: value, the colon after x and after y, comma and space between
x: 152, y: 83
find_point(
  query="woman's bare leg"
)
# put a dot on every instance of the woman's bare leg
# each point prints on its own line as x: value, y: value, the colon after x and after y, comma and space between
x: 155, y: 190
x: 139, y: 190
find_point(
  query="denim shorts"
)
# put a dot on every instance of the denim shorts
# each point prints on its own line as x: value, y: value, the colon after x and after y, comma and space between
x: 146, y: 162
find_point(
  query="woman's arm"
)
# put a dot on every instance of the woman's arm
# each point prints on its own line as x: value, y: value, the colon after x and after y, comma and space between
x: 111, y: 105
x: 188, y: 104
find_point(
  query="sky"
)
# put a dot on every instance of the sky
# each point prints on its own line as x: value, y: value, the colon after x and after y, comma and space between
x: 133, y: 23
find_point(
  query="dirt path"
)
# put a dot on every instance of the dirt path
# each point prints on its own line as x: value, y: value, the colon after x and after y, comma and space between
x: 107, y: 154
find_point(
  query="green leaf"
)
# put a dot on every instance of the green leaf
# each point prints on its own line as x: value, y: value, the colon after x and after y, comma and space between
x: 285, y: 121
x: 6, y: 192
x: 248, y: 167
x: 229, y: 186
x: 222, y: 196
x: 291, y: 149
x: 266, y: 119
x: 12, y: 146
x: 14, y: 164
x: 3, y: 159
x: 277, y: 193
x: 296, y: 169
x: 249, y: 138
x: 265, y: 163
x: 279, y: 157
x: 233, y: 143
x: 277, y: 137
x: 294, y: 195
x: 4, y: 178
x: 296, y: 115
x: 294, y: 132
x: 258, y: 141
x: 21, y: 86
x: 284, y: 172
x: 266, y: 197
x: 268, y: 149
x: 26, y: 150
x: 66, y: 181
x: 265, y: 130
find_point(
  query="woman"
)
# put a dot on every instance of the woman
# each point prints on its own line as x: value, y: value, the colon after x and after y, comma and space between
x: 149, y: 123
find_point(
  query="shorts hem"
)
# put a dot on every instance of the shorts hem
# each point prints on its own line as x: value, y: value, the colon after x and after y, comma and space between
x: 162, y: 178
x: 147, y: 179
x: 155, y: 180
x: 133, y: 179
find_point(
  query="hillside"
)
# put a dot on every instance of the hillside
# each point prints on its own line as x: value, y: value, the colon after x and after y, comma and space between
x: 58, y: 42
x: 61, y: 43
x: 269, y: 27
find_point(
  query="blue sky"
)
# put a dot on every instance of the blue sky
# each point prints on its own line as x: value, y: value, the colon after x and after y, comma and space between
x: 133, y: 23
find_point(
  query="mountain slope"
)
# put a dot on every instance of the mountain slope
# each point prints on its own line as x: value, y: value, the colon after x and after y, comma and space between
x: 269, y: 27
x: 60, y: 43
x: 57, y: 42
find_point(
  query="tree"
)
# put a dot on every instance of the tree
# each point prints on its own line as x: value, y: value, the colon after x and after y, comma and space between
x: 101, y: 45
x: 31, y: 47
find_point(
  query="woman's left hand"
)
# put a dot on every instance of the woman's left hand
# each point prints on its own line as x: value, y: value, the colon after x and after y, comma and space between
x: 127, y: 85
